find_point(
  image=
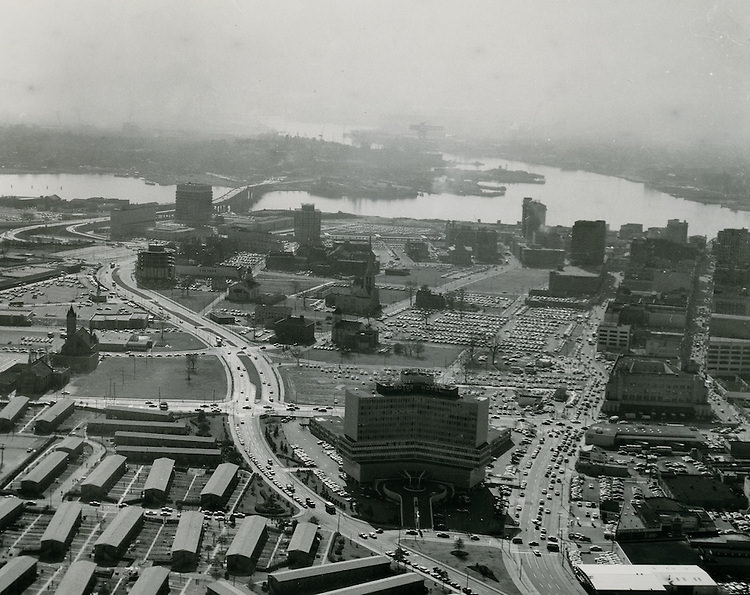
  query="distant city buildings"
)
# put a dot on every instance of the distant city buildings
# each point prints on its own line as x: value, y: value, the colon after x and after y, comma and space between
x: 132, y: 220
x: 415, y: 427
x: 193, y: 204
x: 588, y: 243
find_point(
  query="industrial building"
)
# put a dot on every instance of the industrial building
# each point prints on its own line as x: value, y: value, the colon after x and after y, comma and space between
x: 302, y: 545
x: 417, y: 426
x: 10, y: 510
x: 17, y: 575
x: 154, y: 580
x: 79, y: 579
x: 219, y: 487
x: 73, y: 445
x: 61, y: 529
x: 209, y: 457
x: 108, y: 427
x: 616, y: 579
x: 105, y: 475
x: 12, y: 412
x: 51, y: 418
x: 113, y: 542
x: 15, y: 317
x: 149, y: 439
x: 187, y: 540
x: 325, y: 577
x: 611, y: 435
x: 159, y: 481
x: 40, y: 477
x: 118, y: 322
x: 247, y: 545
x: 193, y: 204
x: 409, y: 583
x: 223, y: 587
x: 138, y: 414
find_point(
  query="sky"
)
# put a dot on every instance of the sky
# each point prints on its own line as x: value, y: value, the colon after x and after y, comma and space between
x: 674, y: 70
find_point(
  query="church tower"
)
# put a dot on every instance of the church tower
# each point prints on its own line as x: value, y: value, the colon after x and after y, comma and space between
x: 71, y: 322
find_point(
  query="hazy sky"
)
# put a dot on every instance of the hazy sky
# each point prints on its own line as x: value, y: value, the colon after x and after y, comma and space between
x: 659, y: 69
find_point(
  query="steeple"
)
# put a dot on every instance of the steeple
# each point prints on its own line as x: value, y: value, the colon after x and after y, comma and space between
x: 71, y: 322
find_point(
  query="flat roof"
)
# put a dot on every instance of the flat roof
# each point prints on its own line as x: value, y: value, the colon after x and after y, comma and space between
x: 247, y: 537
x: 303, y: 538
x: 645, y: 430
x: 158, y: 451
x: 159, y: 475
x: 222, y: 587
x: 137, y: 423
x: 178, y: 438
x: 47, y: 466
x: 322, y: 569
x: 14, y: 408
x: 220, y: 480
x: 151, y: 580
x: 652, y: 577
x: 14, y: 570
x: 189, y: 533
x: 104, y: 471
x: 120, y: 527
x: 77, y: 578
x: 8, y: 506
x: 124, y: 411
x: 62, y: 523
x: 14, y: 312
x: 51, y: 414
x: 380, y: 585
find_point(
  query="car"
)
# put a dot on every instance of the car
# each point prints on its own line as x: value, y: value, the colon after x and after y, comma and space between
x: 474, y: 537
x: 537, y: 553
x: 533, y: 543
x: 443, y: 535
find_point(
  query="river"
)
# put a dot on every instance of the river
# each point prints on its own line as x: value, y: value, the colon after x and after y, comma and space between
x: 569, y: 195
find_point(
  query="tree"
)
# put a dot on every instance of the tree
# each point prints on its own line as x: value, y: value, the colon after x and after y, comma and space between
x: 418, y: 348
x: 410, y: 285
x: 459, y: 545
x: 494, y: 347
x: 296, y: 352
x: 398, y: 348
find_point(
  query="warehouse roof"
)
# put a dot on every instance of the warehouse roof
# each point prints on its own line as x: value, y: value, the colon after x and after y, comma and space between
x: 177, y: 453
x: 189, y: 532
x: 379, y: 586
x: 151, y: 581
x: 247, y: 537
x: 136, y: 412
x: 51, y: 414
x: 77, y: 579
x: 222, y: 587
x: 220, y: 479
x: 153, y: 426
x: 201, y: 441
x: 322, y: 569
x: 120, y: 527
x: 62, y: 522
x: 303, y: 538
x: 644, y: 577
x: 14, y: 570
x: 14, y: 408
x: 9, y: 506
x: 70, y: 444
x: 159, y: 475
x: 47, y: 466
x: 104, y: 471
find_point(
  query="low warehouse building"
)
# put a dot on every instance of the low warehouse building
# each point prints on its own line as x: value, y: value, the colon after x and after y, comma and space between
x: 61, y: 530
x: 222, y: 587
x: 302, y: 545
x: 10, y: 510
x: 17, y: 575
x: 159, y: 481
x: 105, y: 475
x: 138, y: 414
x: 209, y: 457
x: 603, y: 579
x: 187, y: 541
x: 409, y: 583
x: 73, y: 445
x: 247, y: 545
x: 325, y: 577
x: 79, y: 579
x: 12, y: 412
x: 219, y: 487
x: 148, y: 439
x: 51, y: 419
x: 113, y: 542
x: 108, y: 427
x: 153, y: 581
x: 41, y: 476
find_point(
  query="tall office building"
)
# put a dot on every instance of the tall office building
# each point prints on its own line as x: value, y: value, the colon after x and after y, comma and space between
x: 417, y: 427
x: 307, y: 225
x: 732, y: 248
x: 676, y: 231
x: 533, y: 217
x: 193, y: 204
x: 588, y: 243
x: 155, y: 266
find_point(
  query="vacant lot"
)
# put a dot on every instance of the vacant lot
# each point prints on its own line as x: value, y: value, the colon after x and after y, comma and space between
x: 194, y: 300
x: 513, y: 282
x: 145, y: 378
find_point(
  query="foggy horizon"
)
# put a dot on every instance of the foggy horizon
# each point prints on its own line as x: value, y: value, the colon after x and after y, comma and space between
x: 666, y: 72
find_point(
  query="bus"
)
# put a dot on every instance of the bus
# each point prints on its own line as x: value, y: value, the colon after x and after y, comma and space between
x: 330, y: 508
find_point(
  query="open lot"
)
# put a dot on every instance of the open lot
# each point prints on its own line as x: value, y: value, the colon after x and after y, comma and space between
x: 147, y: 377
x: 195, y: 299
x: 16, y: 449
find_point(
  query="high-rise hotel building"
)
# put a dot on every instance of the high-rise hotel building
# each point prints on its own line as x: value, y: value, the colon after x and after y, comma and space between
x: 193, y: 204
x: 417, y: 427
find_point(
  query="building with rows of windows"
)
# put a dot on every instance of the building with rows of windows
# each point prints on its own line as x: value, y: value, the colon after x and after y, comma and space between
x: 415, y: 427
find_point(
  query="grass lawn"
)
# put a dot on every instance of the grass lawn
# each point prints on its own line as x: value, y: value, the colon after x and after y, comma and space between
x: 147, y: 378
x: 490, y: 557
x: 175, y: 341
x: 194, y: 300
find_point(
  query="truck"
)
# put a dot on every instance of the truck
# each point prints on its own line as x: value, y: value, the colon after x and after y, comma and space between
x: 163, y: 405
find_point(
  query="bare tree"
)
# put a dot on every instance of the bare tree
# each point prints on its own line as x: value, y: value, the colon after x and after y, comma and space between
x: 296, y: 352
